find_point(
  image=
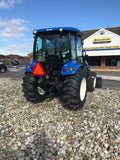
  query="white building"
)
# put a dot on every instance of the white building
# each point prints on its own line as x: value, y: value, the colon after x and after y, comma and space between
x: 103, y: 47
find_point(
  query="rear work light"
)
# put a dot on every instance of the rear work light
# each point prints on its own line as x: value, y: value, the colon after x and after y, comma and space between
x: 38, y: 70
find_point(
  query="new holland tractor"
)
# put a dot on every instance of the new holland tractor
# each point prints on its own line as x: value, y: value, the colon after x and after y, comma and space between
x: 59, y: 63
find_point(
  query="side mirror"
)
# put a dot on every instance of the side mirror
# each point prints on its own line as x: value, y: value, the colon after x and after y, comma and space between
x: 84, y: 55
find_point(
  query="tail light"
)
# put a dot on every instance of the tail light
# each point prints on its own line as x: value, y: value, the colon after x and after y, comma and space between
x: 64, y: 70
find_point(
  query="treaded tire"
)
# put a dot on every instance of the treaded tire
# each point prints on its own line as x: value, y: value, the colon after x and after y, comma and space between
x: 91, y: 81
x: 30, y: 88
x: 75, y: 90
x: 3, y: 70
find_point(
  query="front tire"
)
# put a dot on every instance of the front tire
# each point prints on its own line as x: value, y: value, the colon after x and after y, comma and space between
x: 31, y: 89
x: 75, y: 90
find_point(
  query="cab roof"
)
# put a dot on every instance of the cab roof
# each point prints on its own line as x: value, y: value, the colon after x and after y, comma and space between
x: 72, y: 29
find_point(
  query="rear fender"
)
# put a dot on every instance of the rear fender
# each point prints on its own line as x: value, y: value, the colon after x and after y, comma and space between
x: 30, y: 67
x: 70, y: 68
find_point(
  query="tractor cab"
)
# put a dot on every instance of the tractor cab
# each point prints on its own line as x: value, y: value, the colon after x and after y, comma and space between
x: 57, y: 45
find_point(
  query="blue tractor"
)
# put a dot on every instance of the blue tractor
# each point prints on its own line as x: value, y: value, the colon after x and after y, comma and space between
x: 59, y: 63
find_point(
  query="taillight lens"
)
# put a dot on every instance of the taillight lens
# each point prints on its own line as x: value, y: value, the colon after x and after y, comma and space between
x: 64, y: 70
x: 32, y: 67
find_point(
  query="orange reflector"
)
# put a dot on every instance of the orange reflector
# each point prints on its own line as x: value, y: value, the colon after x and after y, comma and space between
x: 28, y: 67
x: 71, y: 69
x: 38, y: 70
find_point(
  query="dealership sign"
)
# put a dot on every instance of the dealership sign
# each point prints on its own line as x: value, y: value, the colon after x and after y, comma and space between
x: 102, y: 48
x: 102, y: 40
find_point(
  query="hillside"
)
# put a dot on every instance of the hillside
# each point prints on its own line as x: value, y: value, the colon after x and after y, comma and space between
x: 11, y: 56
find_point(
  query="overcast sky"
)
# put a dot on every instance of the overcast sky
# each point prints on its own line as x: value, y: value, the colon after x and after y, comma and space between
x: 18, y: 19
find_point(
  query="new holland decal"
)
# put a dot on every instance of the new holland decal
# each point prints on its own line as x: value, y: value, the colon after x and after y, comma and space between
x: 102, y: 40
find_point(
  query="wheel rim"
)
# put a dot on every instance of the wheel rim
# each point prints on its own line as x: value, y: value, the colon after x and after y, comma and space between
x: 83, y: 89
x: 41, y: 91
x: 94, y: 84
x: 2, y: 70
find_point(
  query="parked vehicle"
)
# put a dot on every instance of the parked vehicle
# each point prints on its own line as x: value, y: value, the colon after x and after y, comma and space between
x: 14, y: 62
x: 59, y: 63
x: 3, y: 67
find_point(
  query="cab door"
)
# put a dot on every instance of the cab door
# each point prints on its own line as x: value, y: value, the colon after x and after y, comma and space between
x: 79, y: 49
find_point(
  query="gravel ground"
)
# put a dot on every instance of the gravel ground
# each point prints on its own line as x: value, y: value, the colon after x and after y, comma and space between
x: 47, y: 131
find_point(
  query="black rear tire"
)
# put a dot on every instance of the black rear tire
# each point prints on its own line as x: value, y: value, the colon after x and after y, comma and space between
x: 91, y: 81
x: 30, y: 88
x: 75, y: 90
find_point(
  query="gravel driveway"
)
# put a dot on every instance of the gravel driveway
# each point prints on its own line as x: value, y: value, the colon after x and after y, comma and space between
x: 47, y: 131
